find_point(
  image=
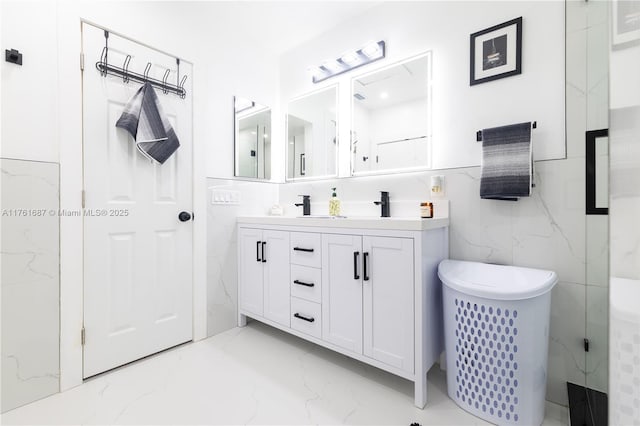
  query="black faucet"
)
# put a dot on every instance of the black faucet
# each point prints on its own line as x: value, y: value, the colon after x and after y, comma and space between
x: 383, y: 203
x: 306, y: 205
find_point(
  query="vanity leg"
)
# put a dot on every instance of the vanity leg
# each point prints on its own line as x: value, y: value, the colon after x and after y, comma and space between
x: 420, y: 390
x: 242, y: 320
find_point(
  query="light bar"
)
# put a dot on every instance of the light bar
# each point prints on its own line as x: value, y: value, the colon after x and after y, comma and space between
x: 371, y: 52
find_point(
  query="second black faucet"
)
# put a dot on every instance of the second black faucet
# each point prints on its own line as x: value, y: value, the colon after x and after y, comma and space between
x: 384, y: 204
x: 306, y: 205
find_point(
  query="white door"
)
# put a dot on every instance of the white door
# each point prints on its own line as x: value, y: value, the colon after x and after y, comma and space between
x: 342, y: 291
x: 250, y: 270
x: 277, y: 293
x: 137, y: 254
x: 388, y: 300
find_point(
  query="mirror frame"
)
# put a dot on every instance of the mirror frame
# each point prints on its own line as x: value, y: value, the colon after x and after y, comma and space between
x: 429, y: 166
x: 236, y: 165
x: 335, y: 86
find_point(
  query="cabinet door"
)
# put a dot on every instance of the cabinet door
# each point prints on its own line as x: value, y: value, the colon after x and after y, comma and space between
x: 342, y: 291
x: 277, y: 294
x: 250, y: 270
x: 388, y: 300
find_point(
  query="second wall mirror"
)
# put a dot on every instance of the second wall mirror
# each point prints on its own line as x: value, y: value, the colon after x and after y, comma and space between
x: 391, y: 118
x: 252, y: 139
x: 312, y: 135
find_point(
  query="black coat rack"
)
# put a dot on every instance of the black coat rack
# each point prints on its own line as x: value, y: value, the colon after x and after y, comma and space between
x: 107, y: 69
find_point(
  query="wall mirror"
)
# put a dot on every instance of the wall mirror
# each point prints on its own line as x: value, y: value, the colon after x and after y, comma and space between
x: 252, y: 139
x: 391, y: 118
x: 312, y: 135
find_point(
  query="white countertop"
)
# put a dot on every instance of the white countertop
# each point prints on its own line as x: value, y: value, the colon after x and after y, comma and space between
x: 357, y: 222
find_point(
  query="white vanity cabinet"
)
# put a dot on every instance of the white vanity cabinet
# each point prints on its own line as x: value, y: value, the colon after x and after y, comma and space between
x: 367, y: 288
x: 367, y: 302
x: 264, y: 273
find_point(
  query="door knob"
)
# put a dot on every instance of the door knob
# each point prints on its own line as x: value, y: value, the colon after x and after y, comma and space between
x: 184, y: 216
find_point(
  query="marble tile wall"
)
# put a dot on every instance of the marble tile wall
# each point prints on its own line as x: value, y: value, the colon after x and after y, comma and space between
x: 30, y: 281
x: 222, y: 264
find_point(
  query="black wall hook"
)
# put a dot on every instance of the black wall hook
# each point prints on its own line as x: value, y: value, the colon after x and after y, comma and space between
x: 13, y: 56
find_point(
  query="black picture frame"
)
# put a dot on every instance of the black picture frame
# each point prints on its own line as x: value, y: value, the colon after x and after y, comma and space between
x: 590, y: 167
x: 496, y: 58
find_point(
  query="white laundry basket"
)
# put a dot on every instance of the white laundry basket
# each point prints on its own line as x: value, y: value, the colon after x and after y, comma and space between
x: 496, y: 324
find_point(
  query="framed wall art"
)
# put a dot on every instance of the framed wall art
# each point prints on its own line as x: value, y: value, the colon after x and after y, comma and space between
x: 496, y: 52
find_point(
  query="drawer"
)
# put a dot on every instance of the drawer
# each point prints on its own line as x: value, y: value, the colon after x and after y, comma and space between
x: 305, y: 249
x: 306, y: 317
x: 306, y: 283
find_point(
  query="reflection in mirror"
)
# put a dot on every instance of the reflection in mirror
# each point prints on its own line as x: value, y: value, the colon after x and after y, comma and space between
x: 391, y: 126
x: 312, y: 135
x: 602, y: 172
x: 252, y: 139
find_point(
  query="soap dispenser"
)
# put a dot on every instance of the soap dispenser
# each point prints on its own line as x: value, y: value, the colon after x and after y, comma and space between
x: 334, y: 204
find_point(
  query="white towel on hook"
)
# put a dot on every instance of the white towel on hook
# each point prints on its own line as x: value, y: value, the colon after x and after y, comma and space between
x: 144, y: 120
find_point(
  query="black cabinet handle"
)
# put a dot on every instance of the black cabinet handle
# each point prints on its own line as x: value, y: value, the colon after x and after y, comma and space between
x: 302, y: 317
x: 264, y: 258
x: 355, y: 265
x: 258, y: 251
x: 303, y: 249
x: 303, y: 283
x: 364, y: 266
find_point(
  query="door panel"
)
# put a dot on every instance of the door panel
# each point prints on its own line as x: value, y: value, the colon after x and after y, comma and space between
x: 277, y: 294
x: 342, y: 291
x: 250, y: 271
x: 137, y: 255
x: 388, y: 301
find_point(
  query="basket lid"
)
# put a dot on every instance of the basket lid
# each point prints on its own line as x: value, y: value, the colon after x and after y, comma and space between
x: 498, y: 282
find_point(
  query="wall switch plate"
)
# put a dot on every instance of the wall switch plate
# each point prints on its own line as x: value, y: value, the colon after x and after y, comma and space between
x: 225, y: 196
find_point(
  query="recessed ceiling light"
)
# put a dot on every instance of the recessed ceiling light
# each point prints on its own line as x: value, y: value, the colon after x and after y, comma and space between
x: 384, y: 95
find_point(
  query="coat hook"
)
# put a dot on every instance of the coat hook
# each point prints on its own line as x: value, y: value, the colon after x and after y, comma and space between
x: 146, y: 71
x: 164, y: 81
x: 183, y: 93
x: 102, y: 65
x: 125, y: 69
x: 13, y: 56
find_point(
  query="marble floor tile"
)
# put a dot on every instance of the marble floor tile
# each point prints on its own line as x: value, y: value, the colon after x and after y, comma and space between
x: 252, y: 375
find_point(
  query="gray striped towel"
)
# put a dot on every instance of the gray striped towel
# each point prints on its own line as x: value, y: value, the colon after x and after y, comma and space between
x: 144, y: 120
x: 506, y: 162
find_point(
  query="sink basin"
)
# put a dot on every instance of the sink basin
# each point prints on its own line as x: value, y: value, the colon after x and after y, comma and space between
x: 321, y: 216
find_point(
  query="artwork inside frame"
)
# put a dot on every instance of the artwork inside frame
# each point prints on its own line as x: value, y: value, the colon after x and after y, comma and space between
x: 496, y: 52
x: 625, y: 26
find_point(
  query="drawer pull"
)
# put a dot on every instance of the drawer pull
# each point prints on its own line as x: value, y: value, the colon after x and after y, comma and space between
x: 258, y: 251
x: 302, y: 317
x: 303, y: 249
x: 303, y: 283
x: 264, y: 258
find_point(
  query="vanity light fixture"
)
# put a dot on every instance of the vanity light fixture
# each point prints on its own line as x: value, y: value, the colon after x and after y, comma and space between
x: 371, y: 52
